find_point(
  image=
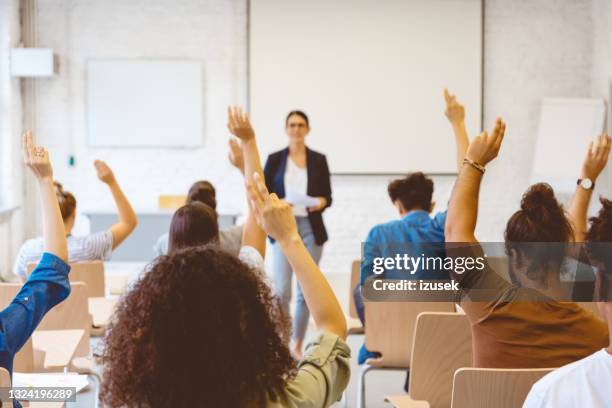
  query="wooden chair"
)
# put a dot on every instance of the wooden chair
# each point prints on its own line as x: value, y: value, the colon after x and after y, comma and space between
x: 353, y: 323
x: 70, y: 314
x: 390, y: 331
x: 493, y: 387
x: 171, y: 202
x: 442, y: 344
x: 90, y: 272
x: 592, y: 307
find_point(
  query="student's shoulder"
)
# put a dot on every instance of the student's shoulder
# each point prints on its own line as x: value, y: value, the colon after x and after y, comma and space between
x: 564, y: 377
x: 32, y: 245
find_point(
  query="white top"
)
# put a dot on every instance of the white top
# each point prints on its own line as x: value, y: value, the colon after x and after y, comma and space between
x: 98, y: 246
x: 252, y: 258
x: 584, y: 383
x: 296, y: 181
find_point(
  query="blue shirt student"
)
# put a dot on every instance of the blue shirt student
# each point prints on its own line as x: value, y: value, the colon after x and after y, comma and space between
x: 409, y: 235
x: 47, y: 286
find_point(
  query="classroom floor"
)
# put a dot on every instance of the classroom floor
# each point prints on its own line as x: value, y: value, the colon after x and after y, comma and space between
x: 378, y: 383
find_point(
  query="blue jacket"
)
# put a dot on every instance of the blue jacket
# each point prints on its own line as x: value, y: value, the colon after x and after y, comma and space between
x: 47, y: 286
x: 318, y: 184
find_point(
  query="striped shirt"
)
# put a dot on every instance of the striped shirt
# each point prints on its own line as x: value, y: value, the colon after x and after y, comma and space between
x: 98, y: 246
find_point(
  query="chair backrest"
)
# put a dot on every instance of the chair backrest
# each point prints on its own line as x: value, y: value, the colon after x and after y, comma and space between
x: 442, y: 344
x: 171, y: 202
x: 355, y: 276
x: 72, y: 313
x: 390, y: 328
x: 494, y: 387
x: 5, y: 378
x: 90, y: 272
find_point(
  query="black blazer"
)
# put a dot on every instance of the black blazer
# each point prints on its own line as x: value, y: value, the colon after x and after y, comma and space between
x: 319, y: 184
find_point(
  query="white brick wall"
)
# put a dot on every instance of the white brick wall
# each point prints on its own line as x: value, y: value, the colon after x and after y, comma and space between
x: 532, y: 49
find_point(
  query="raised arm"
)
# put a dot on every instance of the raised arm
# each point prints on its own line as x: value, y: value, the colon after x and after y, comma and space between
x: 463, y: 206
x: 239, y: 125
x: 127, y: 219
x: 54, y: 234
x: 276, y: 218
x: 594, y: 163
x: 455, y: 112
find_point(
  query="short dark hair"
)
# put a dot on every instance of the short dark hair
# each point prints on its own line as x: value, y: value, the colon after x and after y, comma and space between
x: 413, y: 191
x: 204, y: 192
x: 299, y: 113
x: 192, y: 225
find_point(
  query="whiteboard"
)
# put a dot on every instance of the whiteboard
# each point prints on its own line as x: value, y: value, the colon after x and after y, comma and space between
x: 144, y: 103
x: 566, y: 126
x: 370, y: 74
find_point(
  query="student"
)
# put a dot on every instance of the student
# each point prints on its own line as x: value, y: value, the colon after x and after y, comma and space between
x: 587, y: 382
x: 96, y: 246
x: 521, y: 325
x: 298, y: 169
x: 48, y: 284
x: 412, y: 196
x: 202, y: 327
x: 204, y: 192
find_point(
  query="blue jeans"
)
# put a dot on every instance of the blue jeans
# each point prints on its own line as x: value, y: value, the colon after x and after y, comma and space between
x: 283, y: 274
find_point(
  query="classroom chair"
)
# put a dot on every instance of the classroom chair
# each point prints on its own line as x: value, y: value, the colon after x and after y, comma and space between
x: 171, y: 202
x: 100, y: 307
x: 442, y: 344
x: 390, y: 331
x: 90, y: 272
x: 352, y: 320
x: 494, y: 387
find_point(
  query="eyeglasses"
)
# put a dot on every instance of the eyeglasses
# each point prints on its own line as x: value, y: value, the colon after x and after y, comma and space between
x: 298, y: 125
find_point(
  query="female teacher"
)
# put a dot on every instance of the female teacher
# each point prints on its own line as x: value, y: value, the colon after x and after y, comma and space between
x: 297, y: 171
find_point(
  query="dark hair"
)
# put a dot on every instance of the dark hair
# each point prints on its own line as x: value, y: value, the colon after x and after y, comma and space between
x: 204, y: 192
x: 540, y: 219
x: 413, y: 191
x: 199, y: 325
x: 193, y: 225
x: 599, y: 237
x: 66, y: 201
x: 297, y: 113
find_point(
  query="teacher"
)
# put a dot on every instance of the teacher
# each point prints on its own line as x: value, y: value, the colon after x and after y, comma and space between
x: 301, y: 176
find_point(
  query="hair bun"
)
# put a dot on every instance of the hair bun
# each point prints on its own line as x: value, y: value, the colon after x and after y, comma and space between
x: 540, y: 197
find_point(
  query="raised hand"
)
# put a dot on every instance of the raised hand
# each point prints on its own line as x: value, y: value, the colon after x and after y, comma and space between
x: 455, y: 112
x: 105, y: 174
x: 273, y: 215
x: 484, y: 147
x: 238, y: 123
x: 597, y: 157
x: 235, y: 156
x: 36, y: 158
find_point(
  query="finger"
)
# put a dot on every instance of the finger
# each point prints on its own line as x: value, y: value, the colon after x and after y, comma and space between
x: 447, y: 96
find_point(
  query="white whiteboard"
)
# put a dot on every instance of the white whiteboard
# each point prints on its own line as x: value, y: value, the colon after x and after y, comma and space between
x: 370, y: 74
x: 566, y: 126
x: 144, y: 103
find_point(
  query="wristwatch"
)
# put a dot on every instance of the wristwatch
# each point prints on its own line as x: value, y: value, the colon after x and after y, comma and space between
x: 586, y: 183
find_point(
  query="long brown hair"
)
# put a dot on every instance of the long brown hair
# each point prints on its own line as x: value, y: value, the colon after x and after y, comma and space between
x: 201, y: 326
x: 192, y: 225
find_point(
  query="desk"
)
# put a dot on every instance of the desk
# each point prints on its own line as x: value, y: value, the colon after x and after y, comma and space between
x: 138, y: 247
